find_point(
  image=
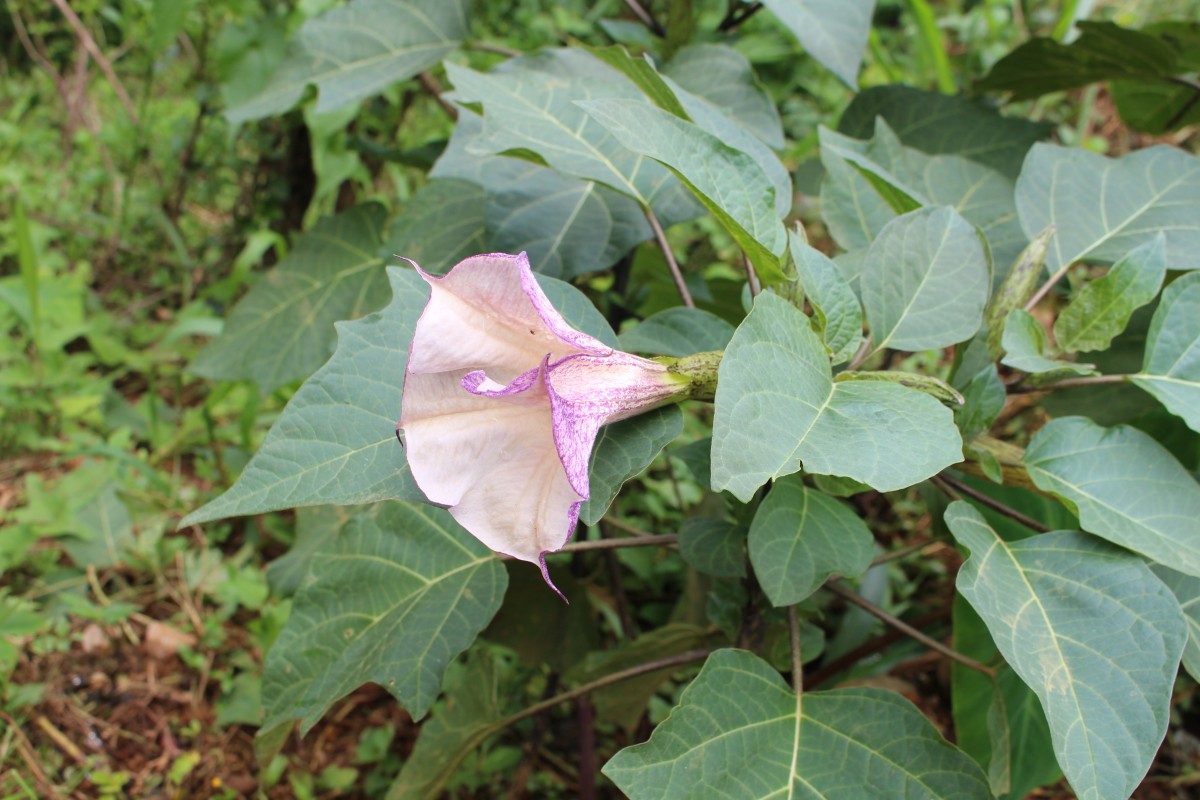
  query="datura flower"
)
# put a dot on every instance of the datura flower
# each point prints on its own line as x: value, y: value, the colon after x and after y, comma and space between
x: 503, y: 400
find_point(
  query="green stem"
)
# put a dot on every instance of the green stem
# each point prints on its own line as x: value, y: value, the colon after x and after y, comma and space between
x: 931, y: 40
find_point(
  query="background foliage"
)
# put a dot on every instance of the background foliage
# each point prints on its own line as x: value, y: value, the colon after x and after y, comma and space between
x: 937, y: 536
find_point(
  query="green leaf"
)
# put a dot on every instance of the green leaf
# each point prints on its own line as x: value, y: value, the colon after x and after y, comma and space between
x: 1104, y: 51
x: 316, y: 528
x: 443, y: 223
x: 834, y: 32
x: 528, y: 613
x: 454, y: 731
x: 568, y: 226
x: 778, y: 408
x: 1124, y: 486
x: 800, y: 537
x: 714, y: 546
x: 643, y: 74
x: 402, y: 592
x: 1186, y: 589
x: 623, y: 449
x: 835, y: 308
x: 345, y: 54
x: 531, y: 105
x: 1095, y: 635
x: 1025, y: 344
x: 925, y: 281
x: 283, y: 328
x: 730, y: 183
x: 335, y: 443
x: 1103, y: 208
x: 1171, y: 369
x: 940, y: 124
x: 723, y: 77
x: 1102, y: 308
x: 678, y: 331
x: 983, y: 400
x: 740, y: 733
x: 108, y: 527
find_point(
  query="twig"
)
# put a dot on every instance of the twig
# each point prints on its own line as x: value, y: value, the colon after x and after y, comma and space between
x: 1045, y: 288
x: 907, y: 550
x: 644, y: 15
x: 60, y: 740
x: 670, y: 257
x: 488, y: 47
x: 649, y: 540
x: 608, y: 680
x: 430, y: 84
x: 835, y: 667
x: 1178, y: 116
x: 85, y: 37
x: 797, y: 656
x: 953, y: 488
x: 866, y: 605
x: 864, y: 350
x: 738, y: 14
x: 29, y: 756
x: 625, y: 526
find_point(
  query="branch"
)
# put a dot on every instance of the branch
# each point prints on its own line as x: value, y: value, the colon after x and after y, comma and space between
x: 670, y: 256
x: 608, y: 680
x: 85, y: 37
x: 1178, y: 116
x: 797, y: 656
x: 1069, y: 383
x: 647, y: 20
x: 430, y: 84
x: 738, y: 14
x: 649, y: 540
x: 1045, y: 288
x: 899, y: 624
x: 954, y: 488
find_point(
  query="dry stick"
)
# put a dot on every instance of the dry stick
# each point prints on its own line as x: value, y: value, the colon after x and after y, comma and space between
x: 670, y: 256
x: 899, y: 624
x: 797, y: 656
x: 953, y: 487
x: 608, y: 680
x: 644, y: 15
x: 105, y: 66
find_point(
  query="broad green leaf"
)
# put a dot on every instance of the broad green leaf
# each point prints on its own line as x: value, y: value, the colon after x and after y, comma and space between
x: 723, y: 77
x: 740, y: 733
x: 925, y: 281
x: 107, y: 528
x: 1171, y: 369
x: 1091, y: 631
x: 443, y: 223
x: 800, y: 537
x: 624, y: 703
x: 889, y: 179
x: 643, y: 74
x: 983, y: 400
x: 714, y: 546
x: 678, y: 332
x: 529, y: 104
x: 335, y: 443
x: 1103, y: 52
x: 940, y: 124
x: 1031, y: 761
x: 1025, y: 348
x: 528, y: 613
x: 316, y: 527
x: 835, y: 308
x: 1124, y: 486
x: 568, y: 226
x: 623, y: 449
x: 730, y: 183
x: 354, y: 51
x: 400, y: 594
x: 283, y: 328
x: 1103, y: 207
x: 778, y: 409
x: 1187, y: 591
x: 458, y: 727
x: 834, y: 32
x: 1102, y: 308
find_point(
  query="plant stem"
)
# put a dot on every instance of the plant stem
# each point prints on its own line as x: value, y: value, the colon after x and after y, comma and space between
x: 430, y: 85
x: 607, y: 680
x: 1069, y: 383
x: 89, y: 44
x: 1045, y: 288
x: 670, y: 257
x: 907, y: 550
x: 866, y: 605
x: 625, y: 526
x: 797, y: 656
x: 737, y: 15
x: 955, y: 488
x: 644, y: 15
x: 649, y: 540
x: 931, y: 39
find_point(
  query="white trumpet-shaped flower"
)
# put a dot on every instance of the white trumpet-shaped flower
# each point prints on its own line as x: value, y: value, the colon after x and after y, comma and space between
x: 503, y: 400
